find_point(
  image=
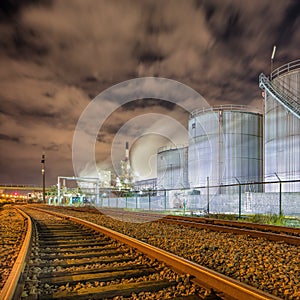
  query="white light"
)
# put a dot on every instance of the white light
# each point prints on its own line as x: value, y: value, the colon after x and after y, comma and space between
x: 273, y: 53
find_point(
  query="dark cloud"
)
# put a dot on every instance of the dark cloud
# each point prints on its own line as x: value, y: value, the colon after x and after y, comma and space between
x: 148, y: 56
x: 5, y: 137
x: 52, y: 147
x: 10, y: 9
x: 148, y: 103
x: 288, y: 25
x: 56, y: 56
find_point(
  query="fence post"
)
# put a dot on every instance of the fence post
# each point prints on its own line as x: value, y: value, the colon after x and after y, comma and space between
x: 165, y: 200
x: 240, y: 197
x: 240, y: 201
x: 135, y: 199
x: 58, y: 191
x: 280, y: 195
x: 207, y: 194
x: 108, y: 196
x: 149, y: 200
x: 97, y: 192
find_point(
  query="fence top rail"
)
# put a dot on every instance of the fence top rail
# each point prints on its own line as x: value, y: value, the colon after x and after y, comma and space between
x: 204, y: 186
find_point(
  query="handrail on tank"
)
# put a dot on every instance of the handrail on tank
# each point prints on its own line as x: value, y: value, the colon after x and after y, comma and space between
x: 293, y: 65
x: 233, y: 107
x: 288, y: 100
x: 171, y: 147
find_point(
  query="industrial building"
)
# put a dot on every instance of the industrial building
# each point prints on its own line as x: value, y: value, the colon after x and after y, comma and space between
x: 172, y: 167
x: 282, y: 125
x: 238, y: 158
x: 239, y: 144
x: 225, y: 146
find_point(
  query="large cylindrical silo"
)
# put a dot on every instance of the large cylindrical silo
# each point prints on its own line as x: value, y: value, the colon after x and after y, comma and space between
x: 172, y: 164
x: 225, y: 145
x: 282, y: 127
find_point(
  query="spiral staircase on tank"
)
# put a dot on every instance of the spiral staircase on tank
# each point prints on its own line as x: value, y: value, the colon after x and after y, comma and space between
x: 284, y: 95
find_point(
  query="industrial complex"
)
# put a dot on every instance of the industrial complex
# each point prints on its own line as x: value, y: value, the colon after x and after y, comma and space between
x: 238, y: 158
x: 232, y: 144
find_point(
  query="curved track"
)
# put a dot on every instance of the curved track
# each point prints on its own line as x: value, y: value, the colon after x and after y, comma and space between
x: 69, y: 260
x: 84, y: 261
x: 10, y: 284
x: 271, y: 232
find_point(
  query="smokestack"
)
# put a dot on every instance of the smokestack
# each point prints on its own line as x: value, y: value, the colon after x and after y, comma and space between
x: 126, y: 152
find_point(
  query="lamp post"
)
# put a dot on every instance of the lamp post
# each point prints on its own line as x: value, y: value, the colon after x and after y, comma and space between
x: 272, y: 59
x: 43, y: 176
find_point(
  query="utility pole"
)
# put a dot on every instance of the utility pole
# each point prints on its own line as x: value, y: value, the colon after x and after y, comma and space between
x: 43, y: 175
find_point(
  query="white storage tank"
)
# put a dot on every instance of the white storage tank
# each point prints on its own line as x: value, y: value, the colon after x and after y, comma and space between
x: 172, y: 167
x: 282, y: 128
x: 225, y: 144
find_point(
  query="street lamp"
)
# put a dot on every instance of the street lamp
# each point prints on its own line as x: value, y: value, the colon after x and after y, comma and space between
x: 272, y: 59
x: 43, y: 175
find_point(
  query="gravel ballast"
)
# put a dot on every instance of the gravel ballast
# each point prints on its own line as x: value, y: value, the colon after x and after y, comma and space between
x: 273, y: 267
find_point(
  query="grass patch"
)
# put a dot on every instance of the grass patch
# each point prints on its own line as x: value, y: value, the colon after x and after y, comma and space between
x: 271, y: 219
x: 231, y: 217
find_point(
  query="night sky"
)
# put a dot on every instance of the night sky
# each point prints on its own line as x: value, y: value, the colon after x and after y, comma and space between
x: 56, y: 56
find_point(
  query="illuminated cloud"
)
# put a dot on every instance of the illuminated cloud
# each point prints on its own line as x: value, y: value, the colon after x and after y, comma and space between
x: 56, y: 56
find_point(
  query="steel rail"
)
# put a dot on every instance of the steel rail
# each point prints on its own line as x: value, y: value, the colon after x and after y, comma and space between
x: 269, y: 232
x: 244, y: 225
x: 209, y: 278
x: 289, y: 239
x: 286, y: 233
x: 8, y: 290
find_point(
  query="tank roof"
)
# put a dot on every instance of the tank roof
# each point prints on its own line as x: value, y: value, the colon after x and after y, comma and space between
x: 291, y: 66
x: 227, y: 107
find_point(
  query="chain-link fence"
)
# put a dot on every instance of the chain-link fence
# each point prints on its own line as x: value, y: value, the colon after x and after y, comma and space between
x: 276, y: 197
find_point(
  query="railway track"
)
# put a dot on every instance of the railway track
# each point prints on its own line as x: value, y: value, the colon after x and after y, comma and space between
x: 71, y: 261
x: 239, y: 224
x: 271, y: 232
x: 87, y: 261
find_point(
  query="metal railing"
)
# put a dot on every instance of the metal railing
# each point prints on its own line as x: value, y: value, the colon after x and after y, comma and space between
x: 171, y: 147
x: 23, y: 187
x: 294, y: 65
x: 285, y: 98
x: 230, y: 107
